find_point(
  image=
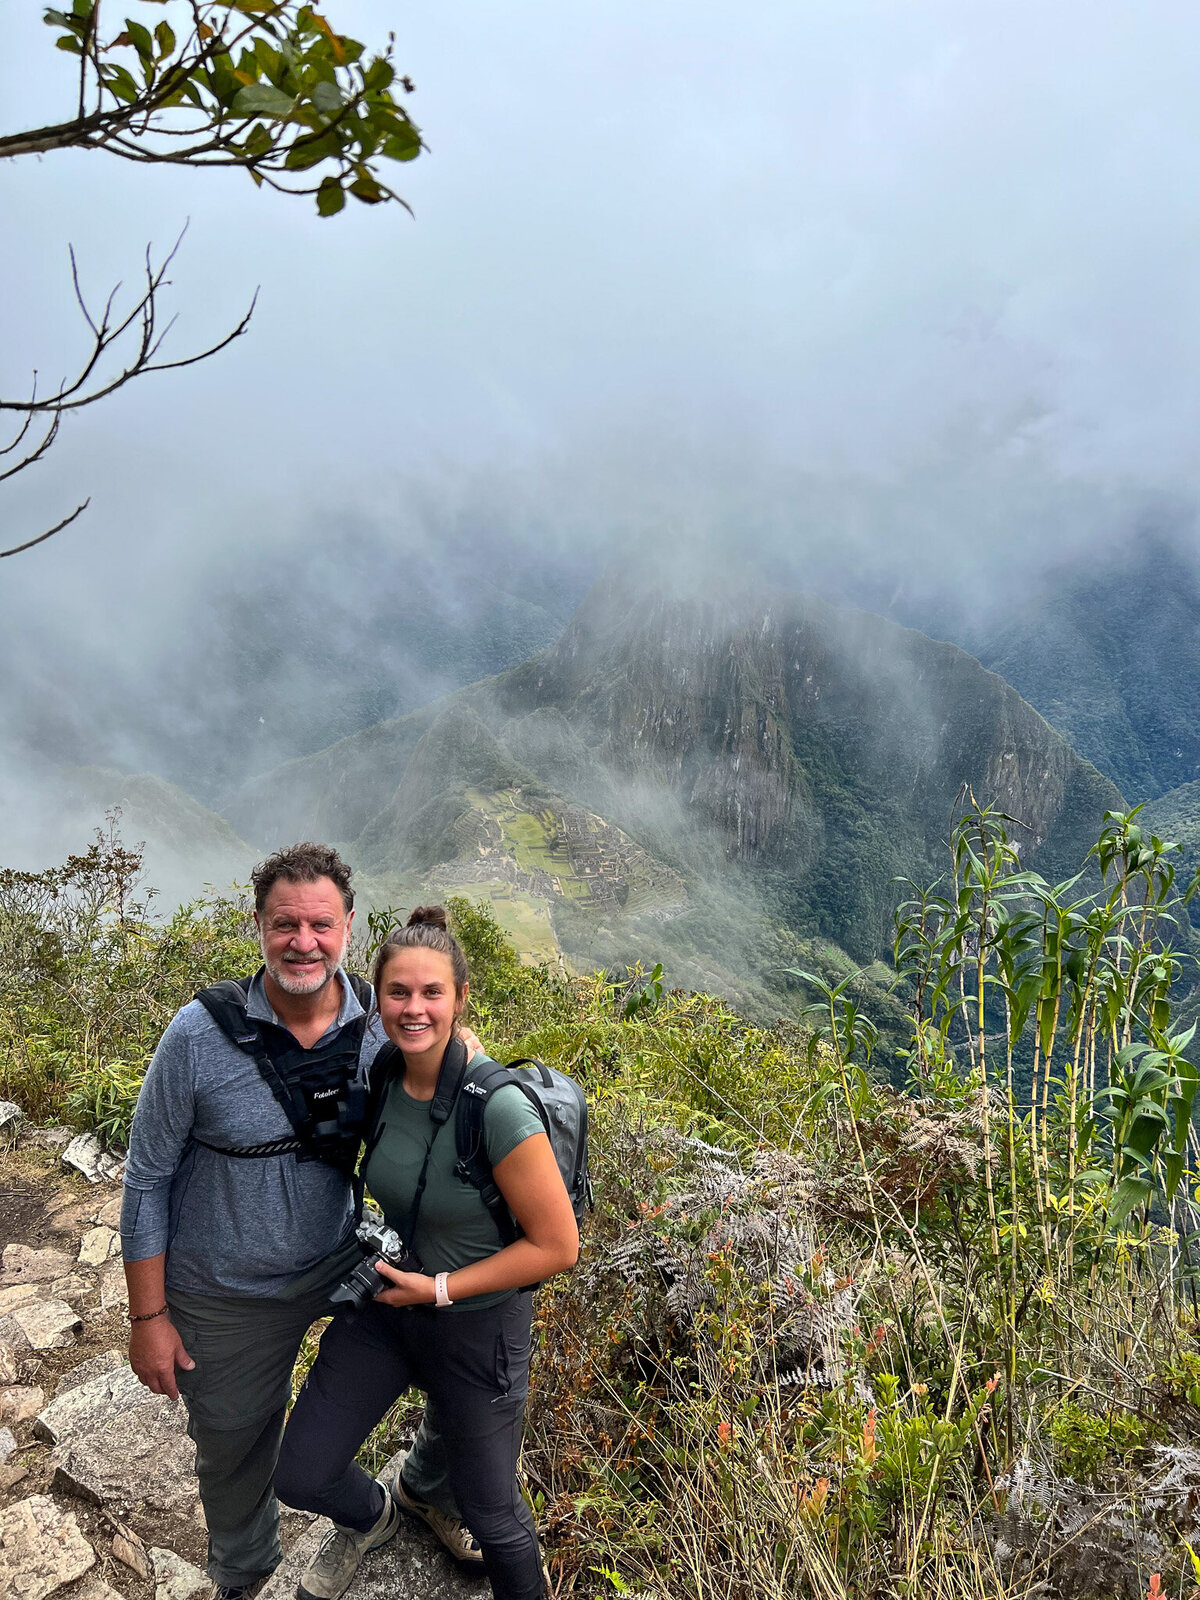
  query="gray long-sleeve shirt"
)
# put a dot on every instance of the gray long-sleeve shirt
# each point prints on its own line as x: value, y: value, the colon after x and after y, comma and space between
x: 229, y: 1226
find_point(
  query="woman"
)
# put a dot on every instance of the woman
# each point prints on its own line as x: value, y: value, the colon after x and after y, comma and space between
x: 460, y: 1327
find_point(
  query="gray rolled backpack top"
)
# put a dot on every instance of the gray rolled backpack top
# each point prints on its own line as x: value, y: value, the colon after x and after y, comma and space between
x: 557, y: 1099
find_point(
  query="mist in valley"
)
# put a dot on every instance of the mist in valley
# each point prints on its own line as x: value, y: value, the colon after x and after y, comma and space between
x: 898, y: 308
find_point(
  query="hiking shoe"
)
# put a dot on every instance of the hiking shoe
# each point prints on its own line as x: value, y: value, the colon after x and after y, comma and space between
x: 454, y: 1533
x: 237, y: 1591
x: 327, y: 1576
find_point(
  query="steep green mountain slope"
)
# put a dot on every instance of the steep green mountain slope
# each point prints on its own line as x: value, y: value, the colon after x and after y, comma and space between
x: 780, y: 759
x: 1176, y: 816
x: 1110, y: 655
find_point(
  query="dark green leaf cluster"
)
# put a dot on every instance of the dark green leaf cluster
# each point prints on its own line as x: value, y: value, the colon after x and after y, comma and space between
x: 272, y: 88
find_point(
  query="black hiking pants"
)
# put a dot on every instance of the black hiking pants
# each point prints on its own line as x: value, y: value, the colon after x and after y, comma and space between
x: 474, y: 1366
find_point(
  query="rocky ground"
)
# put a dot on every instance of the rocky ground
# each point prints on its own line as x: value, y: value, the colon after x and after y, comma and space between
x: 97, y: 1496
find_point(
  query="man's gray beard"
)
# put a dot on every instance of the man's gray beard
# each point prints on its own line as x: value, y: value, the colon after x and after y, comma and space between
x: 279, y: 972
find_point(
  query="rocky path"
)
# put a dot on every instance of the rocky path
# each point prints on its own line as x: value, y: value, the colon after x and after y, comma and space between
x: 97, y: 1497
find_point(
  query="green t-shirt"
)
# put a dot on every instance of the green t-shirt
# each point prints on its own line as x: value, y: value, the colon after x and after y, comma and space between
x: 454, y: 1227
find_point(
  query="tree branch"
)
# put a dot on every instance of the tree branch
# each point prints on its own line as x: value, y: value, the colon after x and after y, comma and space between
x: 16, y: 549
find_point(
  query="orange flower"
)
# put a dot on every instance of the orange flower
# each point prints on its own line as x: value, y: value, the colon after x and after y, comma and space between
x: 1155, y: 1591
x: 811, y: 1502
x: 870, y: 1450
x: 724, y: 1435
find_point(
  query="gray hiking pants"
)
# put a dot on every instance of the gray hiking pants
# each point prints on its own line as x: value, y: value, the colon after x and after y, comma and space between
x: 237, y: 1399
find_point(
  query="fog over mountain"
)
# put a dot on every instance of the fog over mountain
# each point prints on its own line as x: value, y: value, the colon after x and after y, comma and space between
x: 897, y: 305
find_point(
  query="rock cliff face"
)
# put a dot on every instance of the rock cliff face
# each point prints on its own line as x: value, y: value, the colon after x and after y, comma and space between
x: 764, y: 713
x: 815, y: 751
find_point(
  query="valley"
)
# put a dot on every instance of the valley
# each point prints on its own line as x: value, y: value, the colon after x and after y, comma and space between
x: 719, y: 781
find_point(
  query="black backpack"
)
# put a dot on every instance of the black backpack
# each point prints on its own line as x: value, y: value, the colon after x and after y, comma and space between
x: 466, y: 1090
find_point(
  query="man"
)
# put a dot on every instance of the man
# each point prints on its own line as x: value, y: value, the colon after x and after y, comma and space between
x: 233, y: 1233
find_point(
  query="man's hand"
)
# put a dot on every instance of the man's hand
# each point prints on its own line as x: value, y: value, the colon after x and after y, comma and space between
x: 411, y: 1288
x: 155, y: 1350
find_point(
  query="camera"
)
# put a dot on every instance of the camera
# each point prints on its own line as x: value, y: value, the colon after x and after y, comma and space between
x: 380, y: 1243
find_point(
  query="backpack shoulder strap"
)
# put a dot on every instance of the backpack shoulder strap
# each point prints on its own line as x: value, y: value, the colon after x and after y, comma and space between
x: 379, y: 1075
x: 363, y: 991
x: 225, y: 1003
x: 480, y: 1082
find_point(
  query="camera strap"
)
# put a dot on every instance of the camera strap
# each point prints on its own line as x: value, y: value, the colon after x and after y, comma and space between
x: 441, y: 1107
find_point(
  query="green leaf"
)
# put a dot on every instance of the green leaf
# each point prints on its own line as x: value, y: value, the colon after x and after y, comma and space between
x: 327, y: 97
x: 366, y: 189
x: 310, y: 153
x: 57, y: 19
x: 404, y: 146
x: 330, y: 198
x: 258, y: 141
x: 1130, y: 1192
x: 142, y: 41
x: 164, y: 38
x: 262, y: 100
x: 378, y: 75
x: 70, y: 44
x: 120, y: 83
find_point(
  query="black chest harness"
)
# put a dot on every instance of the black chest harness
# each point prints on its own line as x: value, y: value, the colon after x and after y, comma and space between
x: 319, y: 1091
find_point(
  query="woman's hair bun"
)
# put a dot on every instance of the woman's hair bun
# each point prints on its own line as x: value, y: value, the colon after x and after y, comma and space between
x: 435, y: 915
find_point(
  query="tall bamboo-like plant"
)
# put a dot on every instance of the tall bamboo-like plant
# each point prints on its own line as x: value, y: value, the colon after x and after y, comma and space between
x: 1063, y: 975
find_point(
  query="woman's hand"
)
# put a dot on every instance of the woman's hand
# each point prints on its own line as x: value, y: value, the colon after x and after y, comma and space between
x: 412, y: 1288
x: 471, y: 1041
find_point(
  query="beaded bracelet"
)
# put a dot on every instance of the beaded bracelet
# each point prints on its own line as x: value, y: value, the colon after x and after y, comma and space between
x: 148, y: 1316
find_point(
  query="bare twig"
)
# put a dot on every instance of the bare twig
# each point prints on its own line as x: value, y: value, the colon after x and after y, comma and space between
x: 107, y: 329
x: 16, y: 549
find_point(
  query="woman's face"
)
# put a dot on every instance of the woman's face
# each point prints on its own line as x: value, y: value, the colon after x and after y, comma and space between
x: 417, y: 1003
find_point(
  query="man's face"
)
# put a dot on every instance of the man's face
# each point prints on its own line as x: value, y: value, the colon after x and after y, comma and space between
x: 304, y: 932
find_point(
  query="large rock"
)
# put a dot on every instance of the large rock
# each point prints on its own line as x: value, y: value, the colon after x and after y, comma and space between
x: 96, y: 1367
x: 113, y: 1289
x: 41, y: 1549
x: 11, y: 1118
x: 87, y: 1155
x: 116, y: 1443
x: 18, y: 1294
x: 22, y: 1264
x: 76, y: 1288
x: 20, y: 1403
x: 48, y: 1325
x: 412, y: 1563
x: 8, y: 1446
x: 97, y: 1246
x: 175, y: 1578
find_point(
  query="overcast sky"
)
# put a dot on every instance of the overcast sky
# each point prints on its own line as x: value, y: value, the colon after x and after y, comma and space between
x: 669, y: 262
